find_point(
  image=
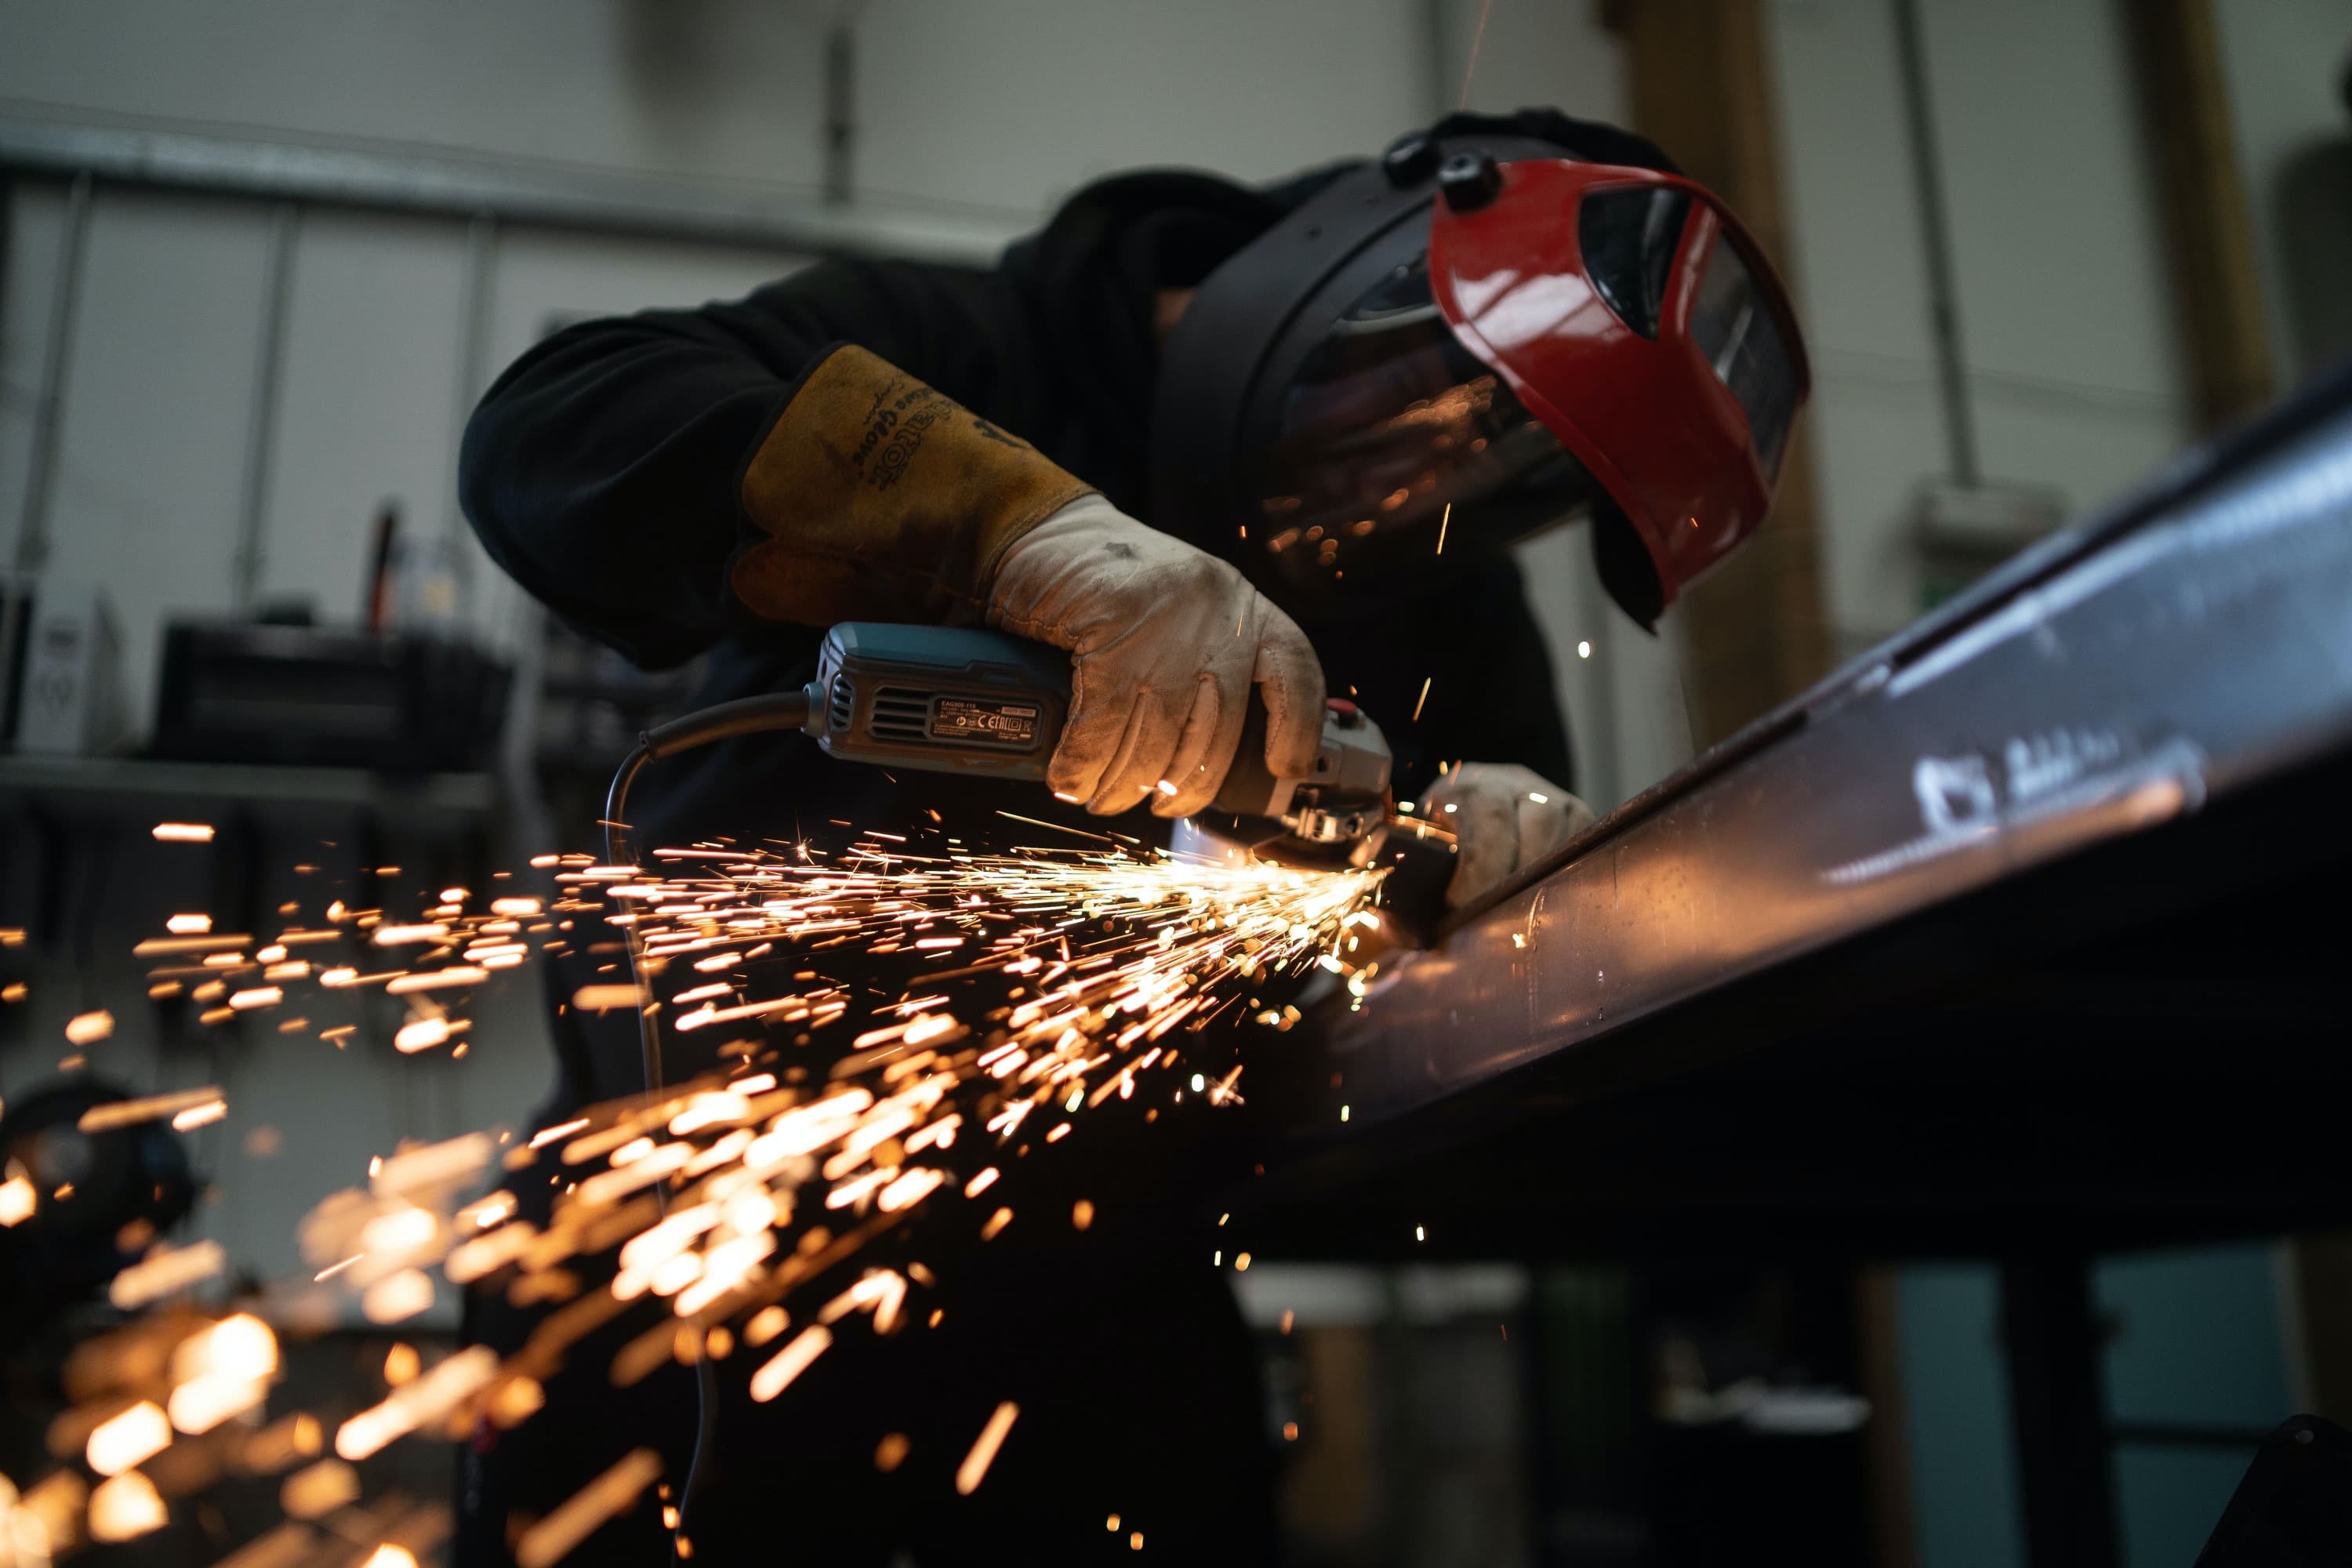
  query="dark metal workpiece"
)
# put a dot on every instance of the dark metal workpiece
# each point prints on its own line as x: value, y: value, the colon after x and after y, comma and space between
x: 2191, y: 644
x: 2020, y: 937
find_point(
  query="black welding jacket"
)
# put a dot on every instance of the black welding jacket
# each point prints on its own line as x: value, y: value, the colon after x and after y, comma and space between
x: 603, y: 471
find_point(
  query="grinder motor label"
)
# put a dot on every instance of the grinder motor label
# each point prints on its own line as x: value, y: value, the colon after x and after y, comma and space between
x: 996, y: 722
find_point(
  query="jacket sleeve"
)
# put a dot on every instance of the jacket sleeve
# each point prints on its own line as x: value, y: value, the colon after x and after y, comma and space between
x: 642, y: 478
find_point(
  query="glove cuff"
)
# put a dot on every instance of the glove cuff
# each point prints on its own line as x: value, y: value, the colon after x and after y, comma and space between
x: 885, y: 499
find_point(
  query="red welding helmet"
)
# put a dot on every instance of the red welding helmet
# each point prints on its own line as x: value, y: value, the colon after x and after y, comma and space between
x: 1468, y: 341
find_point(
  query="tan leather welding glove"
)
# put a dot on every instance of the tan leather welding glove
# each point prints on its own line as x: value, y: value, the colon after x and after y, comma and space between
x: 887, y: 501
x: 1165, y: 642
x: 1504, y: 818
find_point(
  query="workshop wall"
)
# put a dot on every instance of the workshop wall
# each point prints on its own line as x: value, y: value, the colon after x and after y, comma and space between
x: 731, y: 89
x: 2073, y: 363
x: 159, y: 385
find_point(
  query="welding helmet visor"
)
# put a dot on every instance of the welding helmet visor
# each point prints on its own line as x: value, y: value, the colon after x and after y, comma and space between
x: 1392, y: 444
x: 1436, y: 358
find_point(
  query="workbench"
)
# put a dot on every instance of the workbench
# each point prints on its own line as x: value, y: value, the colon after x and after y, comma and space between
x: 2021, y: 936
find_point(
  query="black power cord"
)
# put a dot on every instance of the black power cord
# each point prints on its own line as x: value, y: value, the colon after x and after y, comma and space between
x: 725, y: 721
x: 749, y: 716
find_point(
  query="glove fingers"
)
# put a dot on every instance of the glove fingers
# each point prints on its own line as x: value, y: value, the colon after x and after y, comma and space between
x: 1541, y: 829
x: 1579, y: 817
x: 1090, y: 740
x: 1545, y: 828
x: 1142, y: 760
x: 1291, y: 677
x: 1213, y: 731
x: 1505, y: 818
x: 1146, y: 614
x: 1486, y: 845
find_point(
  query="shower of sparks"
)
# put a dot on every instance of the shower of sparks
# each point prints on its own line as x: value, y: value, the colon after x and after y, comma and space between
x: 1045, y: 980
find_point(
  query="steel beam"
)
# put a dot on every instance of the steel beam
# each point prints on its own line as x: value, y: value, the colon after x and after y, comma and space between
x: 2192, y: 642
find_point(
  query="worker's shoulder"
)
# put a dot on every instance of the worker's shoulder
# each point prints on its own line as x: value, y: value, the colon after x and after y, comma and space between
x: 878, y: 275
x: 846, y: 296
x: 1115, y: 200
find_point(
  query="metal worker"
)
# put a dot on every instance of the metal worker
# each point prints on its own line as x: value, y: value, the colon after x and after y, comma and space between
x: 1207, y: 438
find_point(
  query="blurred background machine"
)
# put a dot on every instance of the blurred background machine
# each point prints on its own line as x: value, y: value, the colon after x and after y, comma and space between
x: 61, y: 670
x: 300, y: 695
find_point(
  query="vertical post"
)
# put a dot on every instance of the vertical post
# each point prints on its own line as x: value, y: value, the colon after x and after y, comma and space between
x: 41, y: 462
x: 2209, y: 231
x: 1540, y: 1431
x: 473, y: 347
x: 32, y: 551
x: 1878, y: 1355
x: 459, y: 555
x: 1935, y: 238
x: 1700, y: 86
x: 840, y: 106
x: 261, y: 420
x: 2318, y: 1285
x: 1399, y: 1454
x: 1609, y: 781
x: 1448, y: 54
x: 2058, y: 1408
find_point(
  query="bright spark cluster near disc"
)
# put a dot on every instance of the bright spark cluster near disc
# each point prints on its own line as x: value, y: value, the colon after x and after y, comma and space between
x: 728, y: 1212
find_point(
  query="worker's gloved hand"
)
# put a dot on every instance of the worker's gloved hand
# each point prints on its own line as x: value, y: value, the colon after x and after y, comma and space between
x: 1503, y: 816
x: 1164, y: 642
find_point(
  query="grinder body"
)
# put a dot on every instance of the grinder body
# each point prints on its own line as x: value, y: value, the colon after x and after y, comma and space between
x: 969, y: 701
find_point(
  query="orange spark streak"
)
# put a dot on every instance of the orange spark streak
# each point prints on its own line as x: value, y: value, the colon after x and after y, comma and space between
x: 974, y: 1468
x: 791, y: 1361
x: 552, y: 1538
x: 152, y: 1108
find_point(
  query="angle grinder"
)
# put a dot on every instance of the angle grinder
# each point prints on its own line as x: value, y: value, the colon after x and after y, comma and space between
x: 967, y: 700
x: 958, y: 700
